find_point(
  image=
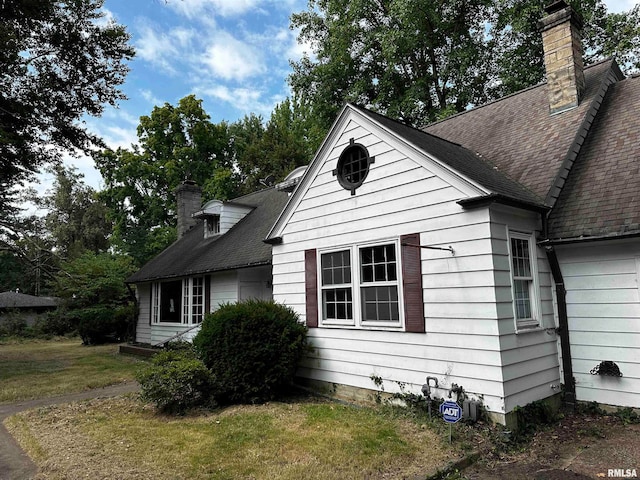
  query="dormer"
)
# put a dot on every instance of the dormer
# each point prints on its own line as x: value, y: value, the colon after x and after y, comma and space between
x: 220, y: 216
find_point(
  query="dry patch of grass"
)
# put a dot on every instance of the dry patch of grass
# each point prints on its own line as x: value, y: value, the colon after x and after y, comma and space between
x: 36, y: 369
x: 312, y: 439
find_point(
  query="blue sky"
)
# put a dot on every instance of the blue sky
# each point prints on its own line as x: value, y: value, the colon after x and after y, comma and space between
x: 233, y: 54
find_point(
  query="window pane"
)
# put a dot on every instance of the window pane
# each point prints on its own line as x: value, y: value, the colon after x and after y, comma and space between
x: 377, y: 264
x: 336, y: 268
x: 171, y: 301
x: 337, y: 304
x: 522, y: 299
x: 367, y: 273
x: 520, y: 257
x: 380, y: 303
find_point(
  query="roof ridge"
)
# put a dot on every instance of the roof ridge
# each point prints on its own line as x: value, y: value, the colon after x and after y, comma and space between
x: 492, y: 102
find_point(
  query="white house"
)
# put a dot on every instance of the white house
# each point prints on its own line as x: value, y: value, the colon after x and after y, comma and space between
x: 497, y: 250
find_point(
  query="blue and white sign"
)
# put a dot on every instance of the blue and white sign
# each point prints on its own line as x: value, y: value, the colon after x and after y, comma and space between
x: 451, y: 411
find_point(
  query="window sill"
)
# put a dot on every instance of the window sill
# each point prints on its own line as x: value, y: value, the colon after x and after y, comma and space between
x: 367, y: 328
x: 533, y: 328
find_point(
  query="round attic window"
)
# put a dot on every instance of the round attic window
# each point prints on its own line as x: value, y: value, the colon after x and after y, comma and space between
x: 353, y: 166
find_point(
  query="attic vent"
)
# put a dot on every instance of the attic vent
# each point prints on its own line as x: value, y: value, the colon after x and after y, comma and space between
x: 353, y: 166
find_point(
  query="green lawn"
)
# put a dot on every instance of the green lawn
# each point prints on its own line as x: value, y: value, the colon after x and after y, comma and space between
x: 123, y: 438
x: 36, y: 369
x: 307, y: 438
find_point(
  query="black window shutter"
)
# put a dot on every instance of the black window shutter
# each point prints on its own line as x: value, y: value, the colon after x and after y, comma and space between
x: 311, y: 287
x: 412, y: 283
x: 150, y: 303
x: 207, y: 293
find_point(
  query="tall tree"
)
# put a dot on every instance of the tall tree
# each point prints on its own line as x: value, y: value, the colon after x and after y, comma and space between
x: 286, y: 142
x: 76, y: 218
x: 60, y: 60
x: 176, y: 143
x: 518, y: 43
x: 412, y: 59
x: 418, y: 60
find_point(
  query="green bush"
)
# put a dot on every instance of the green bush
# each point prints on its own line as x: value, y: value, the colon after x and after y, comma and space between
x: 252, y: 348
x: 13, y: 324
x: 175, y: 381
x: 56, y: 323
x: 101, y: 324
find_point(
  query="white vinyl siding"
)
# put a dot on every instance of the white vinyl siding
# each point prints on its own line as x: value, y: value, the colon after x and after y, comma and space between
x: 529, y: 356
x: 401, y: 196
x: 603, y: 308
x: 143, y: 329
x: 224, y: 288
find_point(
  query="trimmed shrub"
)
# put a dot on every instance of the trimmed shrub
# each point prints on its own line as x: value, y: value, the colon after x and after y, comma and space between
x: 175, y: 381
x: 252, y: 348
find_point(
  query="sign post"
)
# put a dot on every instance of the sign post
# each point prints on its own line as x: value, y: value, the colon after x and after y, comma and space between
x: 451, y: 413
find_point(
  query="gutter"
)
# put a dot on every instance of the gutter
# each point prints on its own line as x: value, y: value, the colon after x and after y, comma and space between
x: 563, y: 327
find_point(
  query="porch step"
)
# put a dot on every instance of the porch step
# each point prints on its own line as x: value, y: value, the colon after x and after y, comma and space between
x: 138, y: 351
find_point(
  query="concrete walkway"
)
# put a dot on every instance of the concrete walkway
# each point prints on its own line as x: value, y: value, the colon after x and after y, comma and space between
x: 15, y: 464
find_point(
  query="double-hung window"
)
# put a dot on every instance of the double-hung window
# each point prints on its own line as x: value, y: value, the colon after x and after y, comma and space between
x: 365, y: 294
x: 523, y: 280
x: 379, y: 285
x: 337, y: 292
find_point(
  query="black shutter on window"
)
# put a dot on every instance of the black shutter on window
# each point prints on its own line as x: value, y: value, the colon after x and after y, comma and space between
x: 311, y: 287
x: 150, y: 303
x: 412, y: 283
x: 207, y: 293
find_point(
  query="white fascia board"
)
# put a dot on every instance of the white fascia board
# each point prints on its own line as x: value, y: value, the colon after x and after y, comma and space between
x: 428, y: 160
x: 444, y: 171
x: 309, y: 174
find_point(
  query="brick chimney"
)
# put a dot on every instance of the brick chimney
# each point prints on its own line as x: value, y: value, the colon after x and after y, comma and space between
x: 562, y: 46
x: 188, y: 201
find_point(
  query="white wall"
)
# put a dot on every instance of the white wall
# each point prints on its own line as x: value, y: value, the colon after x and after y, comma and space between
x: 603, y: 308
x: 143, y: 328
x: 224, y: 288
x: 531, y: 369
x: 464, y: 296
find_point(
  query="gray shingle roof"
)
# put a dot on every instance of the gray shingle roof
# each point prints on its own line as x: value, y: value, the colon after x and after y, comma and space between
x: 519, y: 136
x: 459, y: 159
x: 242, y: 246
x: 20, y: 300
x: 602, y: 194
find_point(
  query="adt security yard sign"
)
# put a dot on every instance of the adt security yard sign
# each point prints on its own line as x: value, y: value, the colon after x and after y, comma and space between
x: 451, y: 412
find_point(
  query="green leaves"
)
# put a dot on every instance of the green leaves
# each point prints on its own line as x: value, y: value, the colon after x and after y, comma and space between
x: 58, y: 63
x: 176, y: 143
x: 419, y: 61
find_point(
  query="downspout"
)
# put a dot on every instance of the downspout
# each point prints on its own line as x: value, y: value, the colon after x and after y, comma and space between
x: 135, y: 304
x: 563, y: 322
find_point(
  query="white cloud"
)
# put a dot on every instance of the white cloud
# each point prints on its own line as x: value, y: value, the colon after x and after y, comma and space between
x: 157, y: 48
x: 231, y: 59
x: 151, y: 98
x: 201, y: 8
x: 246, y: 100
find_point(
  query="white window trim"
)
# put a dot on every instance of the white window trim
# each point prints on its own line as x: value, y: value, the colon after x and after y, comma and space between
x: 356, y: 285
x: 186, y: 306
x: 535, y: 322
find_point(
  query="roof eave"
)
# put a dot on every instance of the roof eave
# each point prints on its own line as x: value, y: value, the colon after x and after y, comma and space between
x: 488, y: 200
x: 591, y: 238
